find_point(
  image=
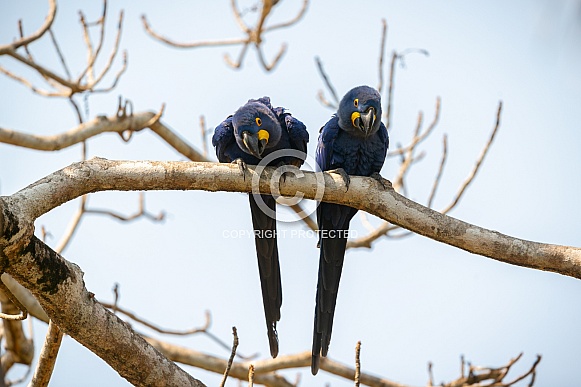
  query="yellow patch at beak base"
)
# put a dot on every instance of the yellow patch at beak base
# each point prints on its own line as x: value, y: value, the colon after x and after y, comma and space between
x: 263, y: 135
x: 355, y: 116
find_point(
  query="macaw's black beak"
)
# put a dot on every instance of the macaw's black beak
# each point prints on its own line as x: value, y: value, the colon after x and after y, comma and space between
x: 364, y: 121
x: 255, y: 143
x: 367, y: 120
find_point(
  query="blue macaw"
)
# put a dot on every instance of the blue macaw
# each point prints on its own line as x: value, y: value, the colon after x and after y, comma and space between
x: 255, y: 131
x: 353, y: 142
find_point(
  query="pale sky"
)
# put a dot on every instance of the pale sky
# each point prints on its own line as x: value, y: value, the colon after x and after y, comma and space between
x: 409, y: 301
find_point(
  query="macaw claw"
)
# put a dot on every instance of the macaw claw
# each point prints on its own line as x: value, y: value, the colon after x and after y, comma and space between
x: 384, y: 183
x: 341, y: 172
x: 241, y: 166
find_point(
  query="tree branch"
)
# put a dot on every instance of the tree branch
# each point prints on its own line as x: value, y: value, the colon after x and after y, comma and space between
x: 57, y: 283
x: 101, y: 124
x: 37, y: 35
x: 100, y: 175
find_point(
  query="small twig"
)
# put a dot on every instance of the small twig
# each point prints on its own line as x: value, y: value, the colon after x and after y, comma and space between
x: 204, y: 133
x: 382, y: 54
x: 253, y: 35
x: 115, y: 297
x: 21, y: 33
x: 59, y: 53
x: 92, y: 57
x: 151, y: 326
x: 232, y: 355
x: 274, y: 62
x: 155, y: 35
x: 250, y: 375
x: 390, y: 90
x: 477, y: 165
x: 418, y: 139
x: 238, y: 63
x: 73, y: 226
x: 305, y: 217
x: 112, y: 56
x: 440, y: 171
x: 328, y: 84
x: 357, y: 363
x: 23, y: 312
x: 430, y: 374
x: 141, y: 212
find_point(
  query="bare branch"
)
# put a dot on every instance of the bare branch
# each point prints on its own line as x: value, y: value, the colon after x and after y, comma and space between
x: 328, y: 84
x: 59, y: 53
x: 204, y: 133
x: 48, y: 355
x: 357, y: 364
x: 25, y: 297
x: 92, y: 57
x: 254, y: 35
x: 156, y: 328
x: 238, y: 63
x: 238, y: 17
x: 23, y: 312
x: 112, y: 56
x: 141, y: 212
x: 232, y: 355
x: 494, y: 377
x: 155, y: 35
x: 27, y: 83
x: 440, y: 171
x: 271, y: 65
x: 250, y: 375
x: 100, y: 174
x: 101, y: 124
x: 292, y: 21
x: 390, y: 90
x: 59, y: 287
x: 35, y: 36
x: 417, y: 139
x: 382, y: 54
x: 477, y: 165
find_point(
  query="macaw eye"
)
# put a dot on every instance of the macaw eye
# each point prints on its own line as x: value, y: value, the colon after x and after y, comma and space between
x: 356, y: 102
x: 258, y: 121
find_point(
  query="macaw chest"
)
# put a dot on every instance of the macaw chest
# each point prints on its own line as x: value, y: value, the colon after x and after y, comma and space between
x: 357, y: 156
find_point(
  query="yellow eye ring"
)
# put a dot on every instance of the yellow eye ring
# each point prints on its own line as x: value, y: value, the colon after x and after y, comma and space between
x: 356, y: 102
x: 258, y: 121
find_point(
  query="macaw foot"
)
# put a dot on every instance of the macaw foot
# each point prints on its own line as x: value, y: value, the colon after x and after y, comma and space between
x: 384, y: 183
x: 241, y: 166
x: 341, y: 172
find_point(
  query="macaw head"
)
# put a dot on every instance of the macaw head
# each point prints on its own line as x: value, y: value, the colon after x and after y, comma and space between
x: 256, y: 128
x: 360, y: 111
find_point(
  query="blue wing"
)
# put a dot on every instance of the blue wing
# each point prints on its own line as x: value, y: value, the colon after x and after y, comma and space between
x: 385, y: 139
x: 324, y: 154
x: 223, y: 139
x: 297, y: 133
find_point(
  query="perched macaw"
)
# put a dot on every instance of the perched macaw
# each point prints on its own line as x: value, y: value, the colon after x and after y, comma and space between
x: 353, y: 142
x: 255, y: 131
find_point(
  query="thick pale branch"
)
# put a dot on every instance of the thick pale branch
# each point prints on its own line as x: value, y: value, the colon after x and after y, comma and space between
x: 59, y: 287
x: 99, y: 175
